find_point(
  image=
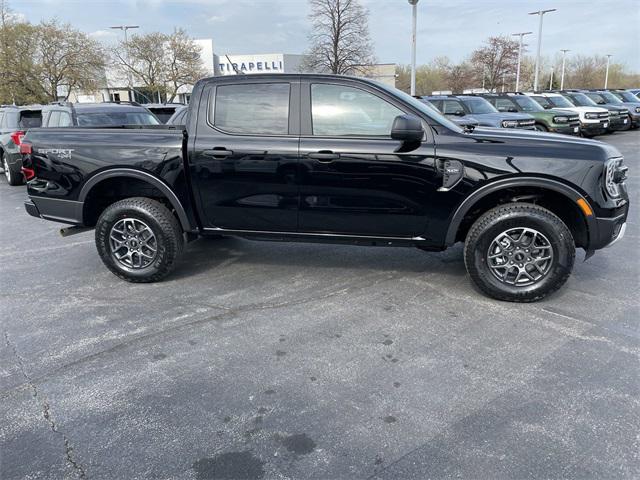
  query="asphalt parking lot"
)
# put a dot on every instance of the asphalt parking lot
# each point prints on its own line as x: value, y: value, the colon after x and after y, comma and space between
x: 268, y: 360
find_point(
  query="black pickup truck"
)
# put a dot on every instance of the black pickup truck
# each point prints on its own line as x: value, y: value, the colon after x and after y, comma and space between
x: 325, y: 158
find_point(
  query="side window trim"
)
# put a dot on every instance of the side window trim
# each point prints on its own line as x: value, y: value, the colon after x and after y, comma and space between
x: 293, y: 113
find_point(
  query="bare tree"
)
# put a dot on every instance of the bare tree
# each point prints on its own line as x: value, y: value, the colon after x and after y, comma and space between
x: 160, y: 63
x: 65, y: 57
x: 339, y: 37
x: 460, y: 76
x: 17, y: 47
x: 499, y: 57
x: 143, y: 60
x: 184, y: 65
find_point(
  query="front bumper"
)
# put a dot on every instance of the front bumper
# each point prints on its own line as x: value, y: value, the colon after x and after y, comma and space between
x: 594, y: 128
x: 619, y: 123
x: 572, y: 129
x: 608, y: 231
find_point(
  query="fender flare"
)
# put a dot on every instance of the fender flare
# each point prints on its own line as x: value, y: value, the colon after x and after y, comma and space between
x: 468, y: 203
x: 144, y: 176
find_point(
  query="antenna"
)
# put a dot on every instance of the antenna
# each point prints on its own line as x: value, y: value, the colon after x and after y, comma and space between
x: 235, y: 69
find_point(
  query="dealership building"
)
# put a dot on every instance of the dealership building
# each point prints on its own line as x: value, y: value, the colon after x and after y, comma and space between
x: 115, y: 83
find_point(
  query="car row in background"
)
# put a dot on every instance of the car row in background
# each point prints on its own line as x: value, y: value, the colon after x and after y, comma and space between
x: 572, y: 112
x: 15, y: 121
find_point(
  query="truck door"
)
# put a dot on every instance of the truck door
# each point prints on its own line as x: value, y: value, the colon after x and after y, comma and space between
x: 354, y: 179
x: 245, y: 155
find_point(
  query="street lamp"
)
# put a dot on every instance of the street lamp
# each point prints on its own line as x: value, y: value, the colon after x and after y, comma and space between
x: 521, y: 34
x: 551, y: 80
x: 541, y: 13
x: 414, y: 19
x: 124, y: 28
x: 564, y: 54
x: 606, y: 75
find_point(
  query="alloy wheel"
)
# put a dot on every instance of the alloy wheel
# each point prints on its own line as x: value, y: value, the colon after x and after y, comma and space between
x: 520, y: 257
x: 133, y: 244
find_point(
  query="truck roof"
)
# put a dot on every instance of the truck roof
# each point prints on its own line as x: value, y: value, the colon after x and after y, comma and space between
x: 97, y: 107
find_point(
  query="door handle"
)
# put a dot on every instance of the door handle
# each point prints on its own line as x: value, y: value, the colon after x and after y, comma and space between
x: 217, y: 153
x: 324, y: 156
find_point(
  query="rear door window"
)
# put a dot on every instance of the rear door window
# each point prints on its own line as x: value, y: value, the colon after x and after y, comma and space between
x: 503, y: 104
x: 54, y: 119
x: 65, y: 119
x: 451, y: 107
x: 256, y: 109
x: 30, y: 119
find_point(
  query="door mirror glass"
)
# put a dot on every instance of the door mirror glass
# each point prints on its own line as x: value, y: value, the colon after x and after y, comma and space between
x: 459, y: 113
x: 407, y: 128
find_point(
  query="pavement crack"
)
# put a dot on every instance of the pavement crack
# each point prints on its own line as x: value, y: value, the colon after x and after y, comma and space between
x: 46, y: 410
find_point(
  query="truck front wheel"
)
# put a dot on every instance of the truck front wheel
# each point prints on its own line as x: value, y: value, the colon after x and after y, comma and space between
x: 519, y: 252
x: 139, y: 239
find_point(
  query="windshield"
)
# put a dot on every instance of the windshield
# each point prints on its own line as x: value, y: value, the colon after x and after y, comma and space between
x: 560, y: 102
x: 105, y: 119
x: 479, y: 105
x: 610, y: 98
x: 421, y: 107
x: 528, y: 105
x: 581, y: 100
x: 627, y: 96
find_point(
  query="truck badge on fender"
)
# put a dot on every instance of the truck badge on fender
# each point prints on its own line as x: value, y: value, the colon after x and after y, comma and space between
x: 452, y: 172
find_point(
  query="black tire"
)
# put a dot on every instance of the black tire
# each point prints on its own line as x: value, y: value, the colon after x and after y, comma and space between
x: 168, y: 238
x: 14, y: 177
x: 540, y: 127
x: 517, y: 216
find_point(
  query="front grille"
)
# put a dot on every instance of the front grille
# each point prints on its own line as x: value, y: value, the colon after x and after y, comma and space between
x: 526, y: 123
x: 614, y: 113
x: 603, y: 115
x: 574, y: 119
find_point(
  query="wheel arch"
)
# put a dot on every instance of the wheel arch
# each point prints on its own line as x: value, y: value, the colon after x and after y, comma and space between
x: 153, y: 181
x: 538, y: 186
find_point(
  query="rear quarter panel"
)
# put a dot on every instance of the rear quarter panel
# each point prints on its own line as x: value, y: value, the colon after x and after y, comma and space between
x: 66, y: 158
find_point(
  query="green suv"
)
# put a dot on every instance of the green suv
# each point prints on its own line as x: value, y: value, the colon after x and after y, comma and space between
x: 553, y: 120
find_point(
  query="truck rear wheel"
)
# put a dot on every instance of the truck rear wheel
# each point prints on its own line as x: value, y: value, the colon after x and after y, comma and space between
x: 139, y: 239
x: 519, y: 252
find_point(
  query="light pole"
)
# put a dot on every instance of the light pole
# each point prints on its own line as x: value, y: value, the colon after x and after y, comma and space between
x: 414, y: 21
x: 564, y: 55
x: 606, y: 75
x: 551, y: 80
x: 124, y: 28
x: 521, y: 34
x: 541, y: 13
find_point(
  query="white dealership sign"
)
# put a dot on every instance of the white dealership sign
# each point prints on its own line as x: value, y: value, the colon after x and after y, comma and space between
x: 260, y: 63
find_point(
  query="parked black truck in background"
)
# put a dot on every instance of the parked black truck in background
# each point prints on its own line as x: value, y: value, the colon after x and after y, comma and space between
x: 332, y: 159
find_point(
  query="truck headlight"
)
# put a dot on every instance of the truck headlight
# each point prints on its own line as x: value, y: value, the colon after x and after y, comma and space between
x: 509, y: 123
x: 637, y: 109
x: 614, y: 175
x: 560, y: 119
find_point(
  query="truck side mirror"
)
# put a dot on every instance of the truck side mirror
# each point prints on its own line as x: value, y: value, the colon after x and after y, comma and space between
x: 407, y: 128
x: 459, y: 113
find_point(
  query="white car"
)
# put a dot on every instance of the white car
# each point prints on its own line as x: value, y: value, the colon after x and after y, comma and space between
x: 593, y: 120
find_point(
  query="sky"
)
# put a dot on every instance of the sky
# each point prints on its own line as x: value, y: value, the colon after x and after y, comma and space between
x: 452, y: 28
